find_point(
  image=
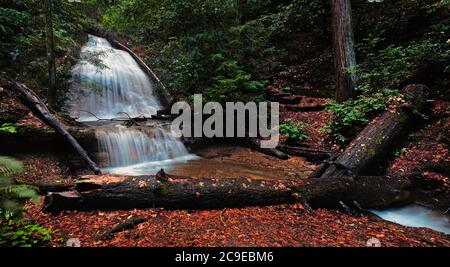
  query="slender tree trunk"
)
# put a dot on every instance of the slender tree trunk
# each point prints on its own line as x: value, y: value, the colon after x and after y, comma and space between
x: 239, y: 11
x: 343, y: 48
x: 51, y: 94
x: 40, y: 109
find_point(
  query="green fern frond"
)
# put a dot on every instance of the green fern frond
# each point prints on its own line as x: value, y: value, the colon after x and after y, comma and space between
x: 9, y: 166
x: 18, y: 191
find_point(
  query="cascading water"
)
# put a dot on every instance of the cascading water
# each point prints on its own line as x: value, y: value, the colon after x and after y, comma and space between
x: 107, y: 83
x: 417, y: 216
x: 134, y: 152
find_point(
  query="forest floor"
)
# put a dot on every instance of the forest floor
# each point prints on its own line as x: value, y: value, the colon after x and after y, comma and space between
x: 282, y: 225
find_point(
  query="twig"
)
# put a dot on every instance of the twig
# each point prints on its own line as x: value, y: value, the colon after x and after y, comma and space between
x: 221, y: 217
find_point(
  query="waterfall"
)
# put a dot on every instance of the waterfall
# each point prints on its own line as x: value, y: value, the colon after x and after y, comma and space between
x: 129, y: 146
x: 106, y: 84
x: 136, y: 152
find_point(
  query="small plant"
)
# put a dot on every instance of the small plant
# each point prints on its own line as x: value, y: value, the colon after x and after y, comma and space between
x: 11, y: 193
x: 8, y: 127
x: 15, y: 232
x: 400, y: 152
x: 350, y: 117
x: 21, y: 233
x: 293, y: 132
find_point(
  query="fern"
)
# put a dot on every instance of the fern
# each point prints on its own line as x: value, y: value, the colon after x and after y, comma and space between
x: 10, y: 193
x: 9, y: 166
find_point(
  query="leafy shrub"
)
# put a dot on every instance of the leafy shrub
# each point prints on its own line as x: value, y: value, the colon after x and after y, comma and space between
x: 21, y: 233
x: 396, y: 63
x: 293, y: 132
x: 350, y: 117
x: 8, y: 127
x: 219, y: 49
x: 11, y: 193
x: 15, y: 232
x: 231, y: 82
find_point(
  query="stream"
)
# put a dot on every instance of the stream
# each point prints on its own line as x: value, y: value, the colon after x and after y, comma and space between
x: 416, y: 216
x: 118, y: 88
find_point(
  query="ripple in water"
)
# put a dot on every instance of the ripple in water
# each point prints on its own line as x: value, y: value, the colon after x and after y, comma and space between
x: 416, y: 216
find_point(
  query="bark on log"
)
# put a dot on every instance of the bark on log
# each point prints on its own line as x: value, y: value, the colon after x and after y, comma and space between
x: 40, y: 109
x: 307, y: 153
x: 119, y: 192
x: 47, y: 188
x: 254, y: 144
x: 306, y: 108
x: 376, y: 141
x: 127, y: 225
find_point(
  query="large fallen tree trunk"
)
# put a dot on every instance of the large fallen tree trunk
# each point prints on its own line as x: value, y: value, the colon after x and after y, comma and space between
x: 162, y: 190
x: 372, y: 146
x: 308, y: 153
x: 40, y: 109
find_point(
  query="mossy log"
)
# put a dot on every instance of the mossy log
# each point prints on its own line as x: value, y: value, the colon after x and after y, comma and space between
x: 373, y: 145
x: 174, y: 192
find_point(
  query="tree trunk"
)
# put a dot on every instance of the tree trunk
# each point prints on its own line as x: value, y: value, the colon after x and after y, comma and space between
x: 39, y: 108
x: 51, y: 94
x: 343, y: 48
x: 372, y: 146
x: 162, y: 190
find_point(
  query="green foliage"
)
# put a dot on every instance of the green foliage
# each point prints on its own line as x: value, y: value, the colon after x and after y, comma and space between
x: 293, y: 132
x: 21, y: 233
x: 11, y: 193
x: 401, y: 42
x: 22, y: 45
x: 212, y: 47
x: 396, y: 63
x: 350, y: 117
x: 8, y: 127
x: 231, y: 82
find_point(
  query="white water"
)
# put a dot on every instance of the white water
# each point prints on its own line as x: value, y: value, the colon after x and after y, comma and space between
x: 416, y: 216
x: 119, y: 86
x: 133, y: 152
x: 108, y: 92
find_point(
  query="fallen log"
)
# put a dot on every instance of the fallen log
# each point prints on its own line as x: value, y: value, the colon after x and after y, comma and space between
x: 40, y: 109
x: 47, y: 188
x: 371, y: 147
x: 254, y: 144
x: 174, y: 192
x: 306, y: 108
x: 127, y: 225
x: 307, y: 153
